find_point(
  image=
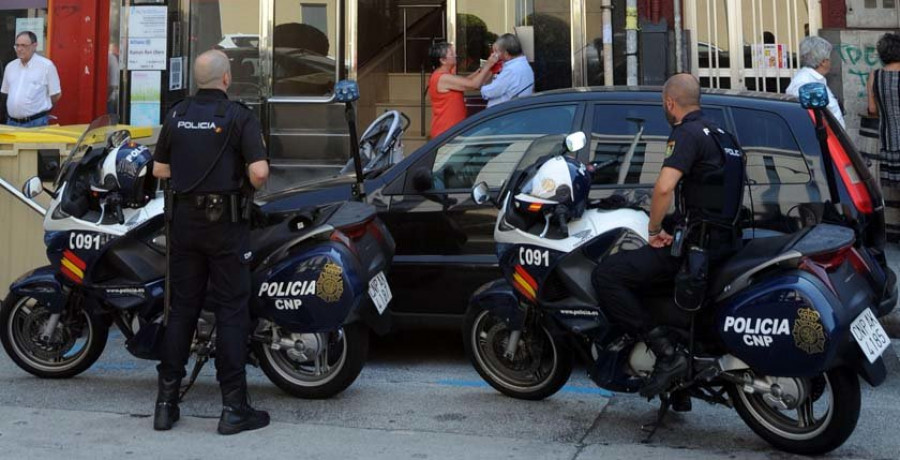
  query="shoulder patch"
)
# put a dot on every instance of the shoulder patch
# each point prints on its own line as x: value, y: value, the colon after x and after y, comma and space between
x: 670, y: 147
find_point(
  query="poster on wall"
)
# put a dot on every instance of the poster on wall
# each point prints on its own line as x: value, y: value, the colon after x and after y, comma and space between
x: 147, y: 38
x: 35, y: 25
x: 145, y: 98
x: 770, y: 56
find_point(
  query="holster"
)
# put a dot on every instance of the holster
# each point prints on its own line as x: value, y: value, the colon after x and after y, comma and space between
x: 692, y: 279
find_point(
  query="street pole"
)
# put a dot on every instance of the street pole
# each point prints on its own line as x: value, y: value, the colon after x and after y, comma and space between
x: 679, y: 66
x: 606, y: 6
x: 631, y: 26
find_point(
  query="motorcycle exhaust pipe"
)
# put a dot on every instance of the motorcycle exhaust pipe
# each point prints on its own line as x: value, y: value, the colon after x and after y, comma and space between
x: 24, y: 199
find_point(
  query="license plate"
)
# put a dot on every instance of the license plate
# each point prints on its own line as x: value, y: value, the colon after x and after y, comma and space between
x: 380, y: 292
x: 869, y: 335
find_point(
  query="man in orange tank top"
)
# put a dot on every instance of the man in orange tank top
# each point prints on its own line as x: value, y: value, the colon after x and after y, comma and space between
x: 446, y: 89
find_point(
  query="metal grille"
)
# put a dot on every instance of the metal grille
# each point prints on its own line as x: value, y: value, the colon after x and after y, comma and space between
x: 749, y: 44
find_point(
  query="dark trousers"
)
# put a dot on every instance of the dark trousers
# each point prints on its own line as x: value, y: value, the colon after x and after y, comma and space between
x: 620, y: 276
x: 208, y: 265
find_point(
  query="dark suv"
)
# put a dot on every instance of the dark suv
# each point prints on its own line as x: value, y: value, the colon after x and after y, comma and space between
x: 445, y: 247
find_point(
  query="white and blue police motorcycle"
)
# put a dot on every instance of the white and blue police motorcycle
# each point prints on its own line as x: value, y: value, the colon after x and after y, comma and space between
x: 318, y: 275
x: 783, y: 337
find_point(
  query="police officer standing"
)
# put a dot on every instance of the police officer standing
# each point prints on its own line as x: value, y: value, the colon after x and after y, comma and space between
x: 209, y: 148
x: 695, y: 165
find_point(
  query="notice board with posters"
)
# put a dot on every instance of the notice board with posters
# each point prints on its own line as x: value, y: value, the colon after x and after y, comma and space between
x: 147, y: 27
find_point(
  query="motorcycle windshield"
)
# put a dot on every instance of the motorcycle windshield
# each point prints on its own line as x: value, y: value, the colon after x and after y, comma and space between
x: 96, y: 134
x: 551, y: 144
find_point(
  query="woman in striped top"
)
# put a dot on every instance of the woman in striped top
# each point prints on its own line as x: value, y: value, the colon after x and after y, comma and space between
x: 884, y: 102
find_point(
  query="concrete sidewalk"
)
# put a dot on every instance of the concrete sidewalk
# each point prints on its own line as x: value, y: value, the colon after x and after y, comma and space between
x: 891, y: 322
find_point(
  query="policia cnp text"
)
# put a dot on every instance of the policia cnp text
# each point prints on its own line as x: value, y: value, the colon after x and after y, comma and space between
x: 704, y: 172
x: 209, y: 148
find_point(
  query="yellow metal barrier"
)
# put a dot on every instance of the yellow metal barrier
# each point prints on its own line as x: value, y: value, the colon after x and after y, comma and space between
x: 21, y: 229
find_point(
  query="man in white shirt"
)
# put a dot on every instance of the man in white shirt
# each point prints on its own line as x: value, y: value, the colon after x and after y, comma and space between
x: 31, y: 85
x: 815, y: 59
x: 516, y: 79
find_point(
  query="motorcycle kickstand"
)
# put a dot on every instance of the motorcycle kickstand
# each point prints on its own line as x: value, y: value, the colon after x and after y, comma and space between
x: 665, y: 403
x: 201, y: 361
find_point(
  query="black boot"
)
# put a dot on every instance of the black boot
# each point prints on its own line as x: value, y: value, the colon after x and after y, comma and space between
x: 671, y: 363
x: 237, y: 415
x: 166, y: 413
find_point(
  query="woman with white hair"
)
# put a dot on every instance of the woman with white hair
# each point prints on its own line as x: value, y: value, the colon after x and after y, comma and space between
x: 815, y: 60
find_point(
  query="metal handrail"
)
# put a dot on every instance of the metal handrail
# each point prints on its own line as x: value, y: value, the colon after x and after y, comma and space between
x: 24, y: 199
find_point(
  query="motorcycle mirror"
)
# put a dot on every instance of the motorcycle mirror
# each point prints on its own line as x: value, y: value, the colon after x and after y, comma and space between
x: 32, y: 187
x: 481, y: 194
x: 813, y: 96
x: 346, y: 91
x: 576, y: 141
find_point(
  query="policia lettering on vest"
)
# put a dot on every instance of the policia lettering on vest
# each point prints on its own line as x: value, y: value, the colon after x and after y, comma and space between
x: 703, y: 172
x: 211, y: 150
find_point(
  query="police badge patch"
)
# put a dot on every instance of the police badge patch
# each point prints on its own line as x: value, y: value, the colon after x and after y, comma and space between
x: 330, y: 285
x: 670, y: 147
x: 809, y: 335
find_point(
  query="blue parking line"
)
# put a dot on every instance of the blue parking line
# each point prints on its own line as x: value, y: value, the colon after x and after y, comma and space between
x: 566, y: 389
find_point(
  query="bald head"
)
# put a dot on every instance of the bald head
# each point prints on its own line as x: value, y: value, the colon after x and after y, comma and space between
x: 683, y: 89
x: 210, y: 70
x: 681, y: 96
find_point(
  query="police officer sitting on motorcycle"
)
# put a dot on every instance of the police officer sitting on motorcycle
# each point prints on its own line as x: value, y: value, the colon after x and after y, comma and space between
x: 703, y: 171
x: 209, y: 147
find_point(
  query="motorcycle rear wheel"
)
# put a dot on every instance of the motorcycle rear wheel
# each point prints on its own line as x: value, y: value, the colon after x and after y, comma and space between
x: 540, y: 367
x: 78, y: 342
x: 345, y: 358
x: 836, y: 391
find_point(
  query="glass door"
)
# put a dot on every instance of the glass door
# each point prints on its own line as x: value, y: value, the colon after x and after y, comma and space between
x: 232, y: 26
x: 302, y: 60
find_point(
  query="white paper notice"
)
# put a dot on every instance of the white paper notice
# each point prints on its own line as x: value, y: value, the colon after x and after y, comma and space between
x: 35, y: 25
x: 147, y: 38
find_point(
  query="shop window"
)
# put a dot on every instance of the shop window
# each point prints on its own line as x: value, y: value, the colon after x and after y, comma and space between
x: 491, y: 150
x: 773, y: 156
x: 306, y: 48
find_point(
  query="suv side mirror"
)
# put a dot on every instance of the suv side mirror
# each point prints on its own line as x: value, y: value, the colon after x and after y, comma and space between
x: 481, y: 194
x: 576, y: 141
x: 814, y: 96
x: 32, y: 187
x: 422, y: 179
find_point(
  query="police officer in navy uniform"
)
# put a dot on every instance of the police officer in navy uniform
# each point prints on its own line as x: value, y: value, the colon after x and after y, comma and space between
x: 210, y: 148
x: 694, y: 168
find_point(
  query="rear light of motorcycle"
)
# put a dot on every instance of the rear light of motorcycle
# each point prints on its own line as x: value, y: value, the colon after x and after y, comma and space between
x: 823, y: 264
x: 349, y: 234
x: 856, y: 188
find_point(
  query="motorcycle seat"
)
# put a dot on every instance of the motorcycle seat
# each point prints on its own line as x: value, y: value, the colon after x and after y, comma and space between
x: 811, y: 241
x: 754, y: 253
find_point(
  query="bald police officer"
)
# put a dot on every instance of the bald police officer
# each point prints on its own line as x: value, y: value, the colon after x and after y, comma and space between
x: 209, y: 147
x: 703, y: 172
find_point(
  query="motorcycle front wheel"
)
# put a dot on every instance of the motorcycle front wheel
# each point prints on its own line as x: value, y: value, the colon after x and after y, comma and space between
x: 539, y: 368
x: 822, y: 418
x: 331, y: 372
x: 76, y: 343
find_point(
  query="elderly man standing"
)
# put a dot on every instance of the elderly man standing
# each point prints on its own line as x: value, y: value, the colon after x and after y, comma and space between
x: 815, y: 59
x: 31, y: 84
x: 516, y: 79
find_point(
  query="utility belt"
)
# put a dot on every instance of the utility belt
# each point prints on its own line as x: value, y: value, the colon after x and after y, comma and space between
x: 30, y: 118
x: 231, y: 207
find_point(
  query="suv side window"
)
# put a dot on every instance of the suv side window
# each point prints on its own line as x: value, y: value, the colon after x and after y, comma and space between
x: 489, y: 151
x: 773, y: 155
x: 628, y: 142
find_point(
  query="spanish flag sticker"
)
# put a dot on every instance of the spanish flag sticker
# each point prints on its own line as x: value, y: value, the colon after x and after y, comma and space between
x: 670, y: 147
